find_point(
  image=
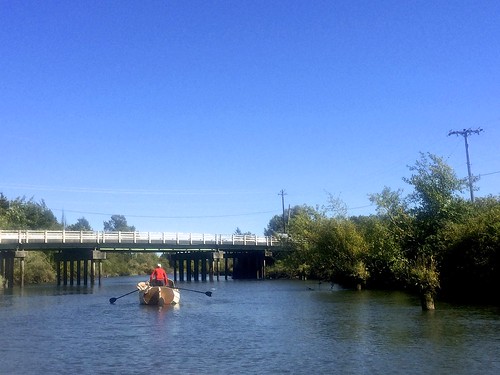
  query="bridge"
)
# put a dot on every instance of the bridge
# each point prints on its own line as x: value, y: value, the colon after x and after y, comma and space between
x: 137, y: 241
x: 192, y: 255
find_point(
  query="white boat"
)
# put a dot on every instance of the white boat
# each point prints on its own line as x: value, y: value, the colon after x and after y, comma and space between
x: 158, y: 295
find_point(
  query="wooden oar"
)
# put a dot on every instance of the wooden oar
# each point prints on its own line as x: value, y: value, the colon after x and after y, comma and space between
x: 113, y: 300
x: 191, y: 290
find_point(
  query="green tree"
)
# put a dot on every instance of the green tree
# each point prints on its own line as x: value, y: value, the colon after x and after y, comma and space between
x: 26, y: 214
x: 238, y: 232
x: 435, y: 203
x: 118, y: 223
x: 275, y: 226
x: 341, y: 252
x: 38, y: 268
x: 81, y: 224
x: 471, y: 263
x: 119, y: 264
x: 297, y: 260
x: 385, y: 261
x: 435, y: 198
x: 4, y: 206
x: 392, y: 210
x: 130, y: 264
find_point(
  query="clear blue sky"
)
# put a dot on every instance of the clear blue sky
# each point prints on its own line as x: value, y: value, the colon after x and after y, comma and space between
x: 191, y: 116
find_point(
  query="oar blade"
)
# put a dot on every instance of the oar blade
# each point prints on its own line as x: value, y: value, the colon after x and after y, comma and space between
x: 208, y: 294
x: 113, y: 300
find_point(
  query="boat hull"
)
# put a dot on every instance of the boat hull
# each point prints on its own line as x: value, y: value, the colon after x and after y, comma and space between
x: 158, y: 295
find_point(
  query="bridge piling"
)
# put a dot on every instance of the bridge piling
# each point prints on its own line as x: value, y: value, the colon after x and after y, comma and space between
x: 74, y: 259
x: 7, y: 266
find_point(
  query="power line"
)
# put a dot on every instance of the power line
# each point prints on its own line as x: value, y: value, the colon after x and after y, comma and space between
x: 487, y: 174
x: 114, y: 191
x: 170, y: 217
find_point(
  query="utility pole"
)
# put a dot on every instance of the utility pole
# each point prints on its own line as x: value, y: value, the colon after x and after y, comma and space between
x: 465, y: 133
x: 63, y: 220
x: 282, y: 193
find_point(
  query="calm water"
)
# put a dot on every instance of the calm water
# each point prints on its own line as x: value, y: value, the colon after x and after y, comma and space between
x: 247, y: 327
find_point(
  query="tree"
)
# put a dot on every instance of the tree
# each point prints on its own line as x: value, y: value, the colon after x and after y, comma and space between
x: 336, y: 206
x: 295, y: 214
x: 81, y: 224
x: 300, y: 231
x: 238, y: 232
x: 341, y: 252
x: 118, y: 223
x: 274, y: 226
x: 385, y: 261
x: 471, y: 262
x: 392, y: 210
x: 26, y: 214
x: 118, y: 264
x: 435, y: 201
x: 39, y: 268
x: 4, y: 206
x: 436, y: 188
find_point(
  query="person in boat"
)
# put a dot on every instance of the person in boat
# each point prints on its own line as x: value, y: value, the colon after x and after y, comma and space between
x: 158, y: 276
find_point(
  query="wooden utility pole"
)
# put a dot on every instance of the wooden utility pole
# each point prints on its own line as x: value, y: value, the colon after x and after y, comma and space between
x: 465, y: 133
x: 282, y: 193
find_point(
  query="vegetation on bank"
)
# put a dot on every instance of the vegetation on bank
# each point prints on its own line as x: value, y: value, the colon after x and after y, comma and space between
x: 431, y: 241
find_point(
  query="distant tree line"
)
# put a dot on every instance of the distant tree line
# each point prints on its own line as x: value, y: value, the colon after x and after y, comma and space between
x: 27, y: 214
x: 432, y: 241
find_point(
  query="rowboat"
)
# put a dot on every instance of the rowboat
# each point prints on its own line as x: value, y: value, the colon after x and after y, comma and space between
x: 158, y: 295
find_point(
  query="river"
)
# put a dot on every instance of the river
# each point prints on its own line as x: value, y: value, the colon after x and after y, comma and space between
x: 245, y: 327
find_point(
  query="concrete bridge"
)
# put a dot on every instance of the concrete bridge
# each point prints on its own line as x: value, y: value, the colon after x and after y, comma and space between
x: 192, y: 255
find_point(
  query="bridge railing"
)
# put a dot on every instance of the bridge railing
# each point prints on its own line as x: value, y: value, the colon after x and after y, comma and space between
x: 101, y: 237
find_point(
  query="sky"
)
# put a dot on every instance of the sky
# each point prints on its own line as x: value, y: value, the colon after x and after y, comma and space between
x: 193, y: 116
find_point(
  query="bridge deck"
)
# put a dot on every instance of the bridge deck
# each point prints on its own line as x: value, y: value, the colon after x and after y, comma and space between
x: 33, y: 240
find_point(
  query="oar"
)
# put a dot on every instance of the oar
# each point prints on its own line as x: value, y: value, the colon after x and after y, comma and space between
x: 113, y: 300
x: 191, y: 290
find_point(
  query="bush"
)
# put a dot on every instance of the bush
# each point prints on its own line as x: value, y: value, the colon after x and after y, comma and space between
x: 38, y: 269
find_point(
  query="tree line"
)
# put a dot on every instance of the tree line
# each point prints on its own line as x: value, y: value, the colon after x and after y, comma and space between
x: 26, y: 214
x: 431, y: 241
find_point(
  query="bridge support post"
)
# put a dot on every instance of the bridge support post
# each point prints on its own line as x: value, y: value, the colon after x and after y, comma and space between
x: 204, y: 267
x: 7, y: 266
x: 196, y: 268
x: 85, y: 272
x: 9, y: 271
x: 65, y: 273
x: 58, y: 273
x: 2, y: 267
x: 214, y: 260
x: 189, y: 269
x: 22, y: 272
x: 211, y: 269
x: 181, y: 269
x: 249, y: 265
x: 174, y: 263
x: 71, y: 272
x: 78, y: 272
x: 92, y: 273
x: 100, y: 272
x: 71, y: 262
